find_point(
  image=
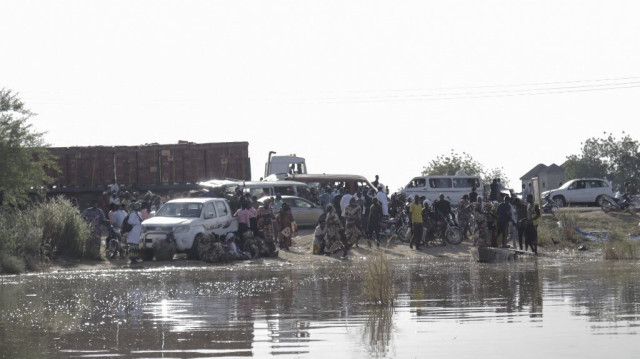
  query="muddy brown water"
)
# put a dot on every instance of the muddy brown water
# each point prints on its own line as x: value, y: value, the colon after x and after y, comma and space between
x: 444, y: 308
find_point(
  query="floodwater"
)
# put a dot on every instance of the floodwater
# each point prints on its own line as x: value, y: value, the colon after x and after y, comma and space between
x: 548, y: 309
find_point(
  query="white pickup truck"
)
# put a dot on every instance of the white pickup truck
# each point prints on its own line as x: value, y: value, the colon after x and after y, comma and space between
x: 188, y: 220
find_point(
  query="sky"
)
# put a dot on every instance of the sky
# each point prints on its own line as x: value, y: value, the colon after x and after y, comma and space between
x: 361, y: 87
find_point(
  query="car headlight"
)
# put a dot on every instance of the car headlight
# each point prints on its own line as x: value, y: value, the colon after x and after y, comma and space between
x: 180, y: 229
x: 144, y: 229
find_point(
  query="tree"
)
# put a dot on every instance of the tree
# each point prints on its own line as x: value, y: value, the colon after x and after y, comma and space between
x: 454, y: 163
x: 23, y: 156
x: 615, y: 159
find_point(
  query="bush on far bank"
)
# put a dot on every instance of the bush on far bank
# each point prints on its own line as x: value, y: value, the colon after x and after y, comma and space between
x: 30, y: 238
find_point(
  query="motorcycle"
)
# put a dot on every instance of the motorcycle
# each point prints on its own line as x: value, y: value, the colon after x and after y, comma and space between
x: 394, y: 227
x: 608, y: 204
x: 549, y: 205
x: 445, y: 228
x: 114, y: 245
x: 467, y: 222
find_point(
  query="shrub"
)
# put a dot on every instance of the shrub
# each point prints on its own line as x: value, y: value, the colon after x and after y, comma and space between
x: 379, y: 280
x: 11, y: 264
x: 33, y: 235
x: 64, y: 227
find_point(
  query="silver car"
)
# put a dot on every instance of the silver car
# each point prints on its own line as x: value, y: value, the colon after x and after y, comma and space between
x: 305, y: 213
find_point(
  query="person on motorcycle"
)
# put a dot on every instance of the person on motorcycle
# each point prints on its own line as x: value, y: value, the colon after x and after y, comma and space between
x: 443, y: 208
x: 415, y: 209
x: 430, y: 222
x: 626, y: 196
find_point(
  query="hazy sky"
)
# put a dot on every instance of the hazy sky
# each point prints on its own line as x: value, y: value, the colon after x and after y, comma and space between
x: 364, y: 87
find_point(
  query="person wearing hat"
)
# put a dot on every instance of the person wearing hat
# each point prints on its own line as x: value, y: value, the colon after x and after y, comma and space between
x: 133, y: 237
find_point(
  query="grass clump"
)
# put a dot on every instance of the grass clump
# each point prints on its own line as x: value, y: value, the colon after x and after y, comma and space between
x: 568, y: 222
x: 619, y: 247
x: 379, y: 280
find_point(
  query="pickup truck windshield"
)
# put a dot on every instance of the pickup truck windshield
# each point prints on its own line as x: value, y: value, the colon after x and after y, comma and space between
x: 178, y: 209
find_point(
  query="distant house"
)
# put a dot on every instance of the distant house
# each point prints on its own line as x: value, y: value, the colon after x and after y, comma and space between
x: 550, y: 177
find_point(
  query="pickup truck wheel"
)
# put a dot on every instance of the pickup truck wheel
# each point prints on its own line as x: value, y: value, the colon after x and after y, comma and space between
x: 192, y: 253
x: 147, y: 254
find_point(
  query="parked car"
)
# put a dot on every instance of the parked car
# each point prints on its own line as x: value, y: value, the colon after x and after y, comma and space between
x: 581, y: 191
x: 188, y: 220
x: 305, y: 213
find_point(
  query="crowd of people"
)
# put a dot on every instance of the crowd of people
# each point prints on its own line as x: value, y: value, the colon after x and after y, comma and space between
x: 124, y: 209
x: 349, y: 216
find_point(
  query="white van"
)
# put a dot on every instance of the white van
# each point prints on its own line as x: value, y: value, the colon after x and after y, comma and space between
x: 453, y: 187
x: 255, y: 188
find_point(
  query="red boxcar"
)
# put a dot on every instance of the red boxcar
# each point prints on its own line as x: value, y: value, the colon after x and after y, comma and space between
x: 158, y: 168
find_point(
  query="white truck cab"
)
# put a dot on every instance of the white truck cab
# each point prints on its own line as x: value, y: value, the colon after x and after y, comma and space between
x: 280, y: 166
x: 188, y: 220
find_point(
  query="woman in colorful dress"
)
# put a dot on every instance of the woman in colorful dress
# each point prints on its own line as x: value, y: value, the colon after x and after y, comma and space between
x: 352, y: 215
x: 333, y: 227
x: 284, y: 219
x: 265, y: 224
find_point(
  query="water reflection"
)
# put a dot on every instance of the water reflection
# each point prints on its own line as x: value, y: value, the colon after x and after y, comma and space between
x: 378, y: 330
x: 314, y: 311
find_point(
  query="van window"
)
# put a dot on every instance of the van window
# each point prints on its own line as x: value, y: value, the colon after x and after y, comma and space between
x: 464, y: 182
x: 285, y: 191
x: 417, y: 182
x: 258, y: 192
x: 440, y: 183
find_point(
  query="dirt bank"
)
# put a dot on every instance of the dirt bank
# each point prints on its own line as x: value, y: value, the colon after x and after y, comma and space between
x: 588, y: 219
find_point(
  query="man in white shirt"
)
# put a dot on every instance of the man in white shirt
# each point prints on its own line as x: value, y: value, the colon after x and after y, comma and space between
x: 384, y: 201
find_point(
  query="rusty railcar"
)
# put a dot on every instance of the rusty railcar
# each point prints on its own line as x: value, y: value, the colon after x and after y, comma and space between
x: 155, y: 167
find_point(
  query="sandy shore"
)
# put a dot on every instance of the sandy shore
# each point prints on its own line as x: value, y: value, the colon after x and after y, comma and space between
x: 590, y: 219
x: 300, y: 254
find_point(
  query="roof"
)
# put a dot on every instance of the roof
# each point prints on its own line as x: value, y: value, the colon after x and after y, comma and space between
x: 533, y: 172
x: 553, y: 168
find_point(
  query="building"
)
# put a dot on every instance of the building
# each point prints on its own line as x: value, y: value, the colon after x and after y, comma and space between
x: 550, y: 177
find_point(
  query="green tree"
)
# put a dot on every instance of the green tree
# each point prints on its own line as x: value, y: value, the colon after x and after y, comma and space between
x: 616, y: 159
x: 23, y: 156
x: 455, y: 163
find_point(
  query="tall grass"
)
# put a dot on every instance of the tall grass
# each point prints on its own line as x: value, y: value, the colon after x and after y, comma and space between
x: 36, y: 234
x: 379, y: 280
x: 561, y: 231
x: 568, y: 222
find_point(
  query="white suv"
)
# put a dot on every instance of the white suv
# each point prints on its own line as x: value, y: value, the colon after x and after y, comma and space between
x: 188, y: 220
x: 581, y: 191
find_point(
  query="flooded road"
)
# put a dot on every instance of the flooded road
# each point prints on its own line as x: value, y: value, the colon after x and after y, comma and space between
x: 462, y: 309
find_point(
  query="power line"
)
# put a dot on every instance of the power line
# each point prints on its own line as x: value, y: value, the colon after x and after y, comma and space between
x: 532, y: 89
